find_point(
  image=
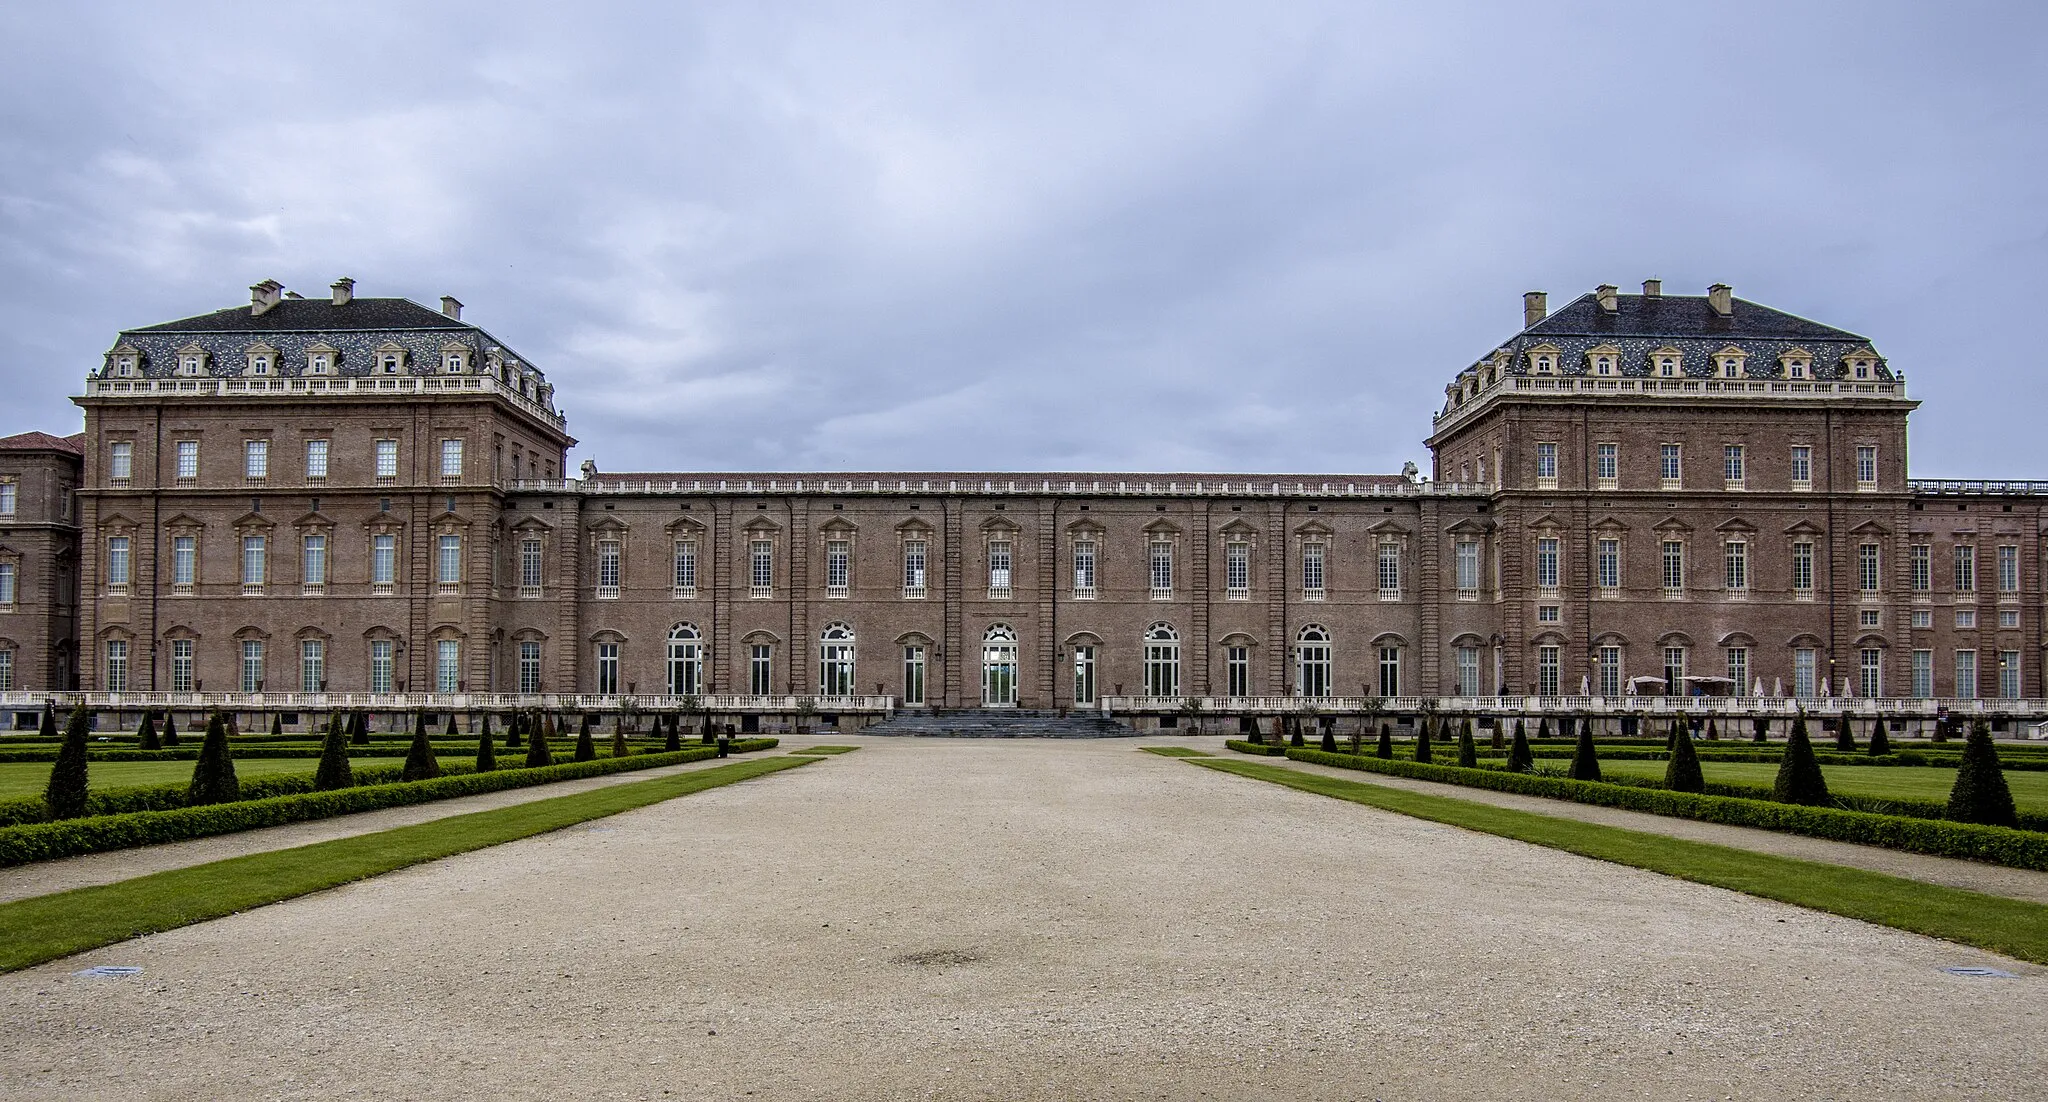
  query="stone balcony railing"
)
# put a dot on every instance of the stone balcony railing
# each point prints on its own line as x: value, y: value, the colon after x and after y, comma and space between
x: 1763, y: 390
x: 646, y: 704
x: 303, y: 387
x: 1698, y: 707
x: 1006, y: 485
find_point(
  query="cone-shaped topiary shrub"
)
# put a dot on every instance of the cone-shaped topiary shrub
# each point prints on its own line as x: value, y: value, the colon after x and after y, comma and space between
x: 1519, y: 758
x: 1329, y: 743
x: 1542, y: 728
x: 170, y: 730
x: 1500, y: 734
x: 1763, y: 730
x: 515, y: 732
x: 1682, y: 769
x: 1585, y: 763
x: 213, y: 775
x: 48, y: 727
x: 145, y: 735
x: 1941, y: 729
x: 449, y: 731
x: 486, y: 747
x: 1713, y: 733
x: 420, y: 763
x: 1845, y: 736
x: 1422, y: 737
x: 675, y: 735
x: 334, y: 770
x: 1980, y: 794
x: 276, y: 726
x: 586, y: 750
x: 1880, y: 743
x: 1297, y: 739
x: 1468, y: 753
x: 66, y: 791
x: 358, y: 730
x: 1384, y: 749
x: 619, y: 747
x: 1799, y: 777
x: 539, y: 732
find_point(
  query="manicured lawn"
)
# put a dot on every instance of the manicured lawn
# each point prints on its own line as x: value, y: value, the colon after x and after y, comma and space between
x: 826, y: 750
x: 50, y: 926
x: 28, y: 778
x: 2029, y: 789
x: 2009, y: 926
x: 1176, y: 751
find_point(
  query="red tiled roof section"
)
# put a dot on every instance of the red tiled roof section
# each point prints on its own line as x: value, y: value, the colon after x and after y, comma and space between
x: 44, y: 442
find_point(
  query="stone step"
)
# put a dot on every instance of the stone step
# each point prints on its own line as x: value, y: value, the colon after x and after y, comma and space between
x: 1000, y: 723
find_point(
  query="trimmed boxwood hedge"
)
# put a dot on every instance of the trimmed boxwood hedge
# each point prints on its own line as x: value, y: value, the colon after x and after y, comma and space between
x: 2022, y: 849
x: 24, y: 844
x: 1260, y: 748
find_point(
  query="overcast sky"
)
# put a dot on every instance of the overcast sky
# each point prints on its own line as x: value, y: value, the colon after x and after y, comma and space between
x: 1175, y: 236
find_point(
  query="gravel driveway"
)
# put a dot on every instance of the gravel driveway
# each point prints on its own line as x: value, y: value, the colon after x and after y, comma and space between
x: 1023, y: 920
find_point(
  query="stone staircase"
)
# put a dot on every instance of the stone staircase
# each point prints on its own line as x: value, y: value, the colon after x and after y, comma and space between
x: 999, y: 723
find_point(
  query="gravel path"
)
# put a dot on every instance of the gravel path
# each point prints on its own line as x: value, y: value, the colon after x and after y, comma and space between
x: 45, y: 877
x: 2028, y: 884
x: 1023, y: 920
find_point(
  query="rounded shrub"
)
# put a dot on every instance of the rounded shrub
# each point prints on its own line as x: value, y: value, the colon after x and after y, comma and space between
x: 1799, y: 777
x: 1980, y: 794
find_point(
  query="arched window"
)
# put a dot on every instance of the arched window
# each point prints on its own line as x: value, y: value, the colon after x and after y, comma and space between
x: 835, y: 660
x: 685, y: 660
x: 999, y: 666
x: 1162, y: 660
x: 1312, y: 662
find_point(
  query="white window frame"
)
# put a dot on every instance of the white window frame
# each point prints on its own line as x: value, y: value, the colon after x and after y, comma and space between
x: 838, y: 568
x: 1002, y: 569
x: 611, y: 560
x: 187, y: 469
x: 1734, y: 466
x: 448, y: 562
x: 1735, y: 568
x: 251, y: 666
x: 451, y: 459
x: 1670, y: 466
x: 1237, y: 570
x: 1671, y: 554
x: 255, y: 564
x: 313, y: 563
x: 1546, y: 465
x: 1159, y: 564
x: 1607, y: 564
x: 312, y: 665
x: 383, y: 563
x: 528, y: 673
x: 1314, y: 574
x: 1607, y: 465
x: 120, y: 566
x: 184, y: 666
x: 256, y: 460
x: 1802, y: 467
x: 117, y: 665
x: 1085, y: 566
x: 1802, y: 570
x: 1549, y: 565
x: 916, y: 569
x: 761, y: 568
x: 532, y: 575
x: 120, y: 462
x: 316, y: 460
x: 386, y: 452
x: 1866, y: 467
x: 383, y: 664
x: 1387, y: 569
x: 683, y: 563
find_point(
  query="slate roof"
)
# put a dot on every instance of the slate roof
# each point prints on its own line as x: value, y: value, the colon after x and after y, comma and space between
x: 312, y: 315
x: 44, y: 442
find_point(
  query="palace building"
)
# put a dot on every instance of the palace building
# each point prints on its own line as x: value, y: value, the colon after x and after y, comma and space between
x: 1640, y: 493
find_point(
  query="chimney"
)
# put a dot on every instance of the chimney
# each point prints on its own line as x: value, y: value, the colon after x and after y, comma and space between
x: 1608, y: 294
x: 1653, y: 288
x: 1535, y: 306
x: 451, y: 307
x: 344, y: 291
x: 264, y: 295
x: 1722, y: 298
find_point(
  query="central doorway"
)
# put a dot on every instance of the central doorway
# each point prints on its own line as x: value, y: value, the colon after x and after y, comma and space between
x: 999, y: 667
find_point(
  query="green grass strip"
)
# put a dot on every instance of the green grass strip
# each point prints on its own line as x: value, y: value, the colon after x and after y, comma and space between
x: 826, y: 750
x: 47, y: 927
x: 2010, y: 926
x: 1175, y: 751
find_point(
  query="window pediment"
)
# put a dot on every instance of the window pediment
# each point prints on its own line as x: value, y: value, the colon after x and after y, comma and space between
x: 1314, y: 528
x: 115, y: 522
x: 1735, y: 525
x: 1870, y: 528
x: 313, y: 520
x: 1547, y: 523
x: 839, y: 526
x: 253, y: 522
x: 1804, y: 528
x: 1240, y: 529
x: 1671, y: 526
x: 1162, y: 527
x: 1610, y: 525
x: 685, y: 527
x: 914, y: 527
x: 1389, y: 528
x: 760, y: 526
x: 995, y: 525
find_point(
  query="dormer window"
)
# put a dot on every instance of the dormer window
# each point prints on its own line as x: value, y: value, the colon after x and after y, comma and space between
x: 1603, y: 365
x: 259, y: 365
x: 124, y: 367
x: 387, y: 363
x: 192, y: 363
x: 1859, y: 368
x: 1798, y: 369
x: 1667, y: 367
x: 319, y: 363
x: 454, y: 360
x: 1731, y: 367
x: 1545, y: 363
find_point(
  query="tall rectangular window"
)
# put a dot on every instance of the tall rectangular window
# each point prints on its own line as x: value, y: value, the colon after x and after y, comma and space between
x: 1084, y: 568
x: 608, y: 669
x: 316, y: 460
x: 1966, y: 674
x: 1805, y: 666
x: 1549, y: 670
x: 1920, y: 558
x: 383, y: 561
x: 1738, y: 669
x: 256, y: 460
x: 1608, y: 663
x: 529, y: 567
x: 447, y: 665
x: 8, y: 498
x: 1546, y: 462
x: 313, y: 561
x: 253, y: 564
x: 117, y: 564
x: 999, y: 564
x: 1802, y: 569
x: 1390, y: 671
x: 1732, y: 466
x: 188, y: 460
x: 312, y: 665
x: 1802, y: 467
x: 448, y: 561
x: 1161, y: 558
x: 1468, y: 567
x: 1546, y: 562
x: 1607, y: 464
x: 1674, y: 671
x: 1468, y: 671
x: 380, y: 665
x: 838, y: 567
x: 1237, y: 670
x: 6, y: 670
x: 609, y: 554
x: 1735, y: 559
x: 1966, y: 568
x: 1867, y: 567
x: 387, y: 460
x: 120, y: 461
x: 915, y: 554
x: 1674, y: 567
x: 117, y: 665
x: 1923, y: 674
x: 1312, y: 571
x: 1866, y: 466
x: 685, y: 580
x: 1237, y: 570
x: 913, y: 675
x: 2009, y: 674
x: 1872, y: 666
x: 252, y: 665
x: 1607, y: 563
x: 184, y: 562
x: 529, y: 666
x: 2008, y: 568
x: 451, y: 459
x: 1670, y: 466
x: 760, y: 669
x: 182, y: 677
x: 7, y: 579
x: 1390, y: 571
x: 761, y: 567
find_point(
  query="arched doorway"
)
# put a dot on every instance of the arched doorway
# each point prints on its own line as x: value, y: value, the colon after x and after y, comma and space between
x: 1312, y: 662
x: 685, y: 660
x: 999, y: 667
x: 1162, y: 660
x: 835, y: 660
